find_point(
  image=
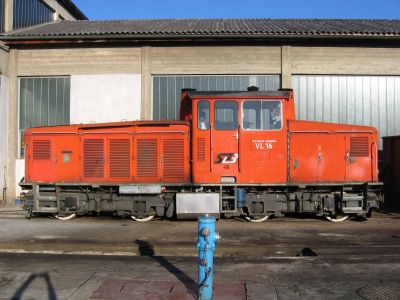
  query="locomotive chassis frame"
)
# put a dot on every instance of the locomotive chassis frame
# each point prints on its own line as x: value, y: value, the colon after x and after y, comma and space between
x: 320, y: 199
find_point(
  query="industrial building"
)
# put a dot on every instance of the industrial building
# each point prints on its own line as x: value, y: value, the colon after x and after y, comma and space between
x: 68, y: 71
x: 16, y: 15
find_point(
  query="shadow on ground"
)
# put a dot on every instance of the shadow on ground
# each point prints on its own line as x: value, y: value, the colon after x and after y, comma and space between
x: 51, y: 293
x: 146, y: 249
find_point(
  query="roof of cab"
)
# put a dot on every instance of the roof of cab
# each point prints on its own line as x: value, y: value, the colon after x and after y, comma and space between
x: 239, y: 94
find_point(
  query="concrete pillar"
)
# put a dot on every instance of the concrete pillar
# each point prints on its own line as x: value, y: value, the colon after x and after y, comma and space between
x: 146, y: 105
x: 12, y: 129
x: 8, y: 15
x: 58, y: 10
x: 286, y: 63
x: 4, y: 57
x: 3, y: 135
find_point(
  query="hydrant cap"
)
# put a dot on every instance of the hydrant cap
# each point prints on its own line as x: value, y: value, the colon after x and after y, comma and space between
x: 206, y: 219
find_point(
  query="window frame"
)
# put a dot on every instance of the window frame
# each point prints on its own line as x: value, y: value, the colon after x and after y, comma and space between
x: 261, y: 100
x: 237, y: 112
x: 21, y: 132
x: 209, y: 115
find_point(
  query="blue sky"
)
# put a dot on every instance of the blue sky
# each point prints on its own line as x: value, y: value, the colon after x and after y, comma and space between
x: 156, y: 9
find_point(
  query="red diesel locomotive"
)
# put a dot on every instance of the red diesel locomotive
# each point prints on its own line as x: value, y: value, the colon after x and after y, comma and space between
x: 231, y: 154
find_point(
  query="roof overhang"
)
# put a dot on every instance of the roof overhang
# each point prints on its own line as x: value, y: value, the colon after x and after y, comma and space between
x: 217, y: 31
x: 193, y: 38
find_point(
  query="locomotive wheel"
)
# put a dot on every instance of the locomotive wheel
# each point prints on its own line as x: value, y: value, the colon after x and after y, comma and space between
x: 338, y: 218
x: 145, y: 219
x: 65, y: 218
x: 254, y: 220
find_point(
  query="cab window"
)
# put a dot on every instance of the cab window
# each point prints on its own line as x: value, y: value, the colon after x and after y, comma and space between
x: 225, y: 115
x: 262, y: 115
x: 203, y: 115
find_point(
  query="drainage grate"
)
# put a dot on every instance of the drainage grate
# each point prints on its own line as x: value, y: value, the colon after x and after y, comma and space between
x: 379, y: 292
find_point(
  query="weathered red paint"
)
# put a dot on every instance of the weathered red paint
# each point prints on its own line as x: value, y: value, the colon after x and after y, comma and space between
x: 126, y: 149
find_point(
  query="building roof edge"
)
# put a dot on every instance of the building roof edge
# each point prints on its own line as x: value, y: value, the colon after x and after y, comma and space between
x: 73, y: 9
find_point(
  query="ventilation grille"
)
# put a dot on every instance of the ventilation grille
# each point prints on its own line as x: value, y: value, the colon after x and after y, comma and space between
x: 201, y: 149
x: 93, y: 158
x: 173, y: 159
x: 359, y: 146
x: 120, y: 163
x: 147, y: 158
x: 41, y: 150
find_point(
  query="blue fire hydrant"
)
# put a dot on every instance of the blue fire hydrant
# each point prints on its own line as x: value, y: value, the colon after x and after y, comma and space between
x: 206, y: 247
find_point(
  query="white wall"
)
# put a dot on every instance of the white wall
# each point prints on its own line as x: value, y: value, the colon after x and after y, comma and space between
x: 3, y: 131
x: 94, y: 98
x: 105, y: 98
x: 19, y: 174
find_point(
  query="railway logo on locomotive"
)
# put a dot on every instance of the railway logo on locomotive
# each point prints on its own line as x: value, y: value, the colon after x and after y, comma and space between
x: 227, y: 158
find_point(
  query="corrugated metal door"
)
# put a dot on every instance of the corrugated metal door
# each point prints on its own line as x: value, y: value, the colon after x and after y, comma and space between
x: 167, y: 89
x: 361, y: 100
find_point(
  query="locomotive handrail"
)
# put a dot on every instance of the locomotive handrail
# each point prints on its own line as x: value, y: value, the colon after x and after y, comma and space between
x: 211, y: 147
x: 107, y: 132
x: 373, y: 145
x: 239, y: 154
x: 54, y: 132
x: 154, y: 131
x: 331, y: 132
x: 310, y: 131
x: 355, y: 131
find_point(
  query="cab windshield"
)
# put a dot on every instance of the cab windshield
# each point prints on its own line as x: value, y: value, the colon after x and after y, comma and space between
x: 262, y: 115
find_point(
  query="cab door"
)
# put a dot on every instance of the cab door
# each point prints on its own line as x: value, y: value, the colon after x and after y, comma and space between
x: 224, y: 140
x: 263, y: 140
x: 201, y: 142
x: 359, y: 158
x: 41, y: 158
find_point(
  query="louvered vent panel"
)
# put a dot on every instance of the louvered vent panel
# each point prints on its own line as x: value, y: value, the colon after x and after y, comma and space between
x: 147, y: 158
x: 359, y: 146
x: 201, y: 149
x: 173, y: 159
x: 41, y: 150
x: 120, y: 164
x: 93, y: 158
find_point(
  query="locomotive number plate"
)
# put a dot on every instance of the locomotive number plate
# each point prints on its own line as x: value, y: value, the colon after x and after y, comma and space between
x: 262, y: 145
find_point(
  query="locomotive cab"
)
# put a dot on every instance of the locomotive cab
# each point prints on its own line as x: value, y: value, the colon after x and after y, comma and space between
x: 239, y: 137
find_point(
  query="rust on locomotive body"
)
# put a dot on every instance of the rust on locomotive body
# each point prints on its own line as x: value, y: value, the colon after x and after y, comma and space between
x: 240, y: 153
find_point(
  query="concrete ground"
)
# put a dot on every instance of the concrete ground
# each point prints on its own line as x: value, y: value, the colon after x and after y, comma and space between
x: 112, y: 258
